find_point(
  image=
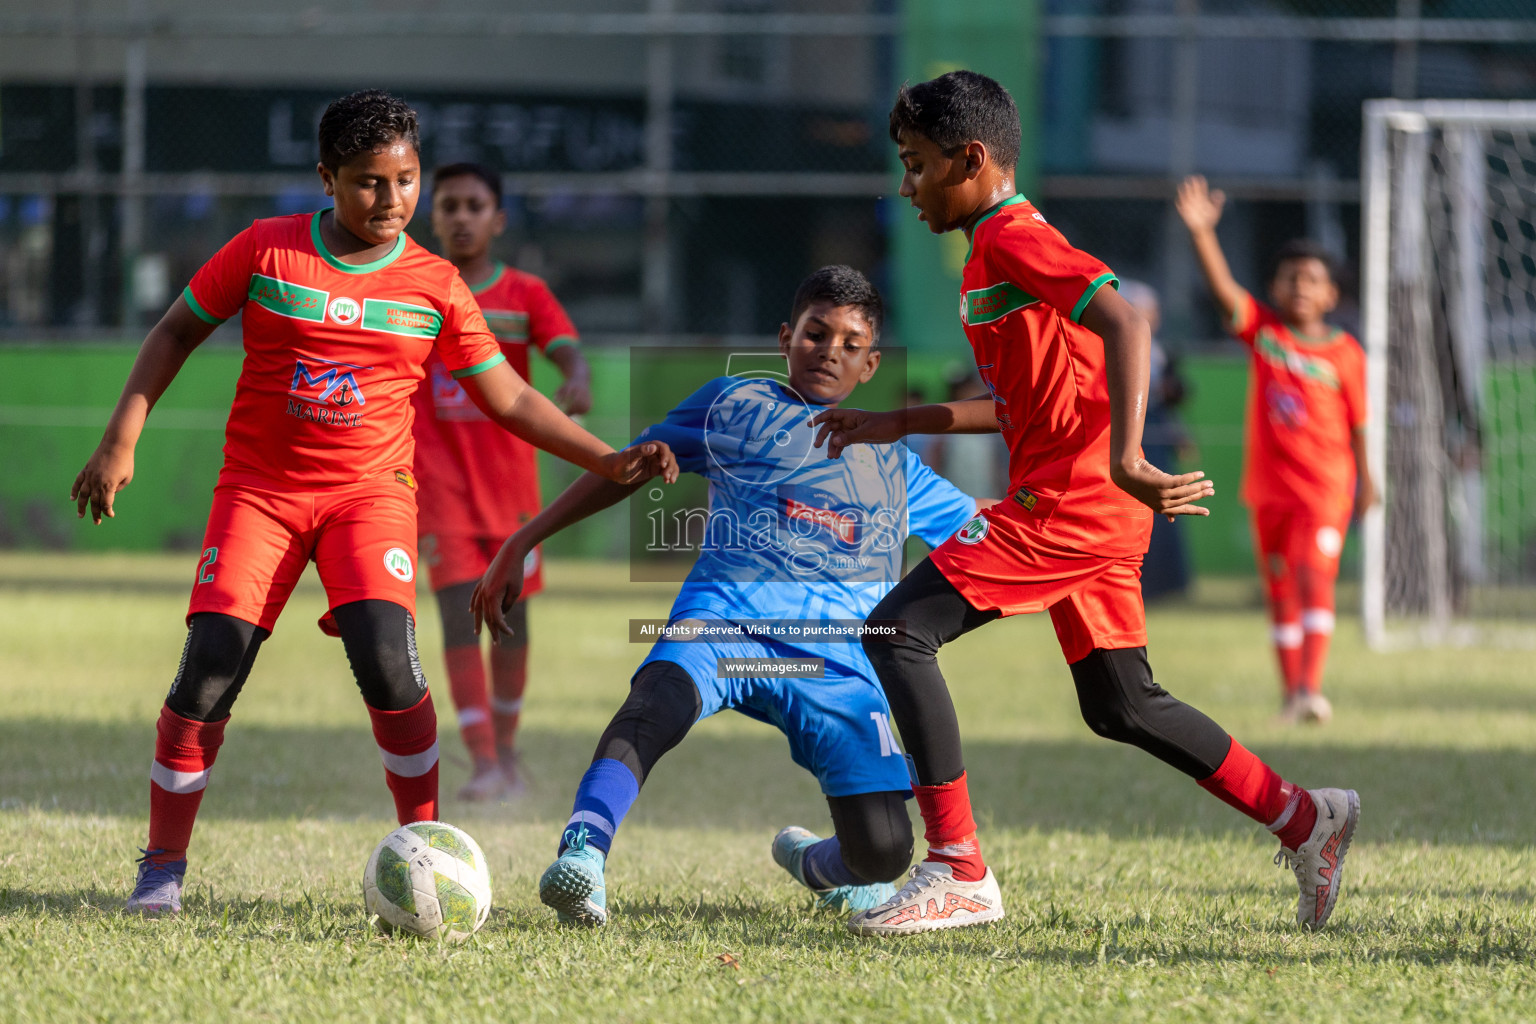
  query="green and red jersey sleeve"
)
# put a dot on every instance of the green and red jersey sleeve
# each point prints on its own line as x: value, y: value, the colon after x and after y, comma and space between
x: 548, y: 324
x: 465, y: 343
x: 220, y: 286
x: 1034, y: 257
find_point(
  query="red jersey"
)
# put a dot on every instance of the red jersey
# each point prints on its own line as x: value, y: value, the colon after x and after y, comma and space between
x: 1306, y: 397
x: 1022, y: 292
x: 476, y: 478
x: 333, y: 351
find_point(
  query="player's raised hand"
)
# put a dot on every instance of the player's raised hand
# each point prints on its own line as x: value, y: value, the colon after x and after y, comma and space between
x: 1199, y: 205
x: 109, y: 470
x: 640, y: 462
x: 498, y: 590
x: 1163, y: 492
x: 839, y: 428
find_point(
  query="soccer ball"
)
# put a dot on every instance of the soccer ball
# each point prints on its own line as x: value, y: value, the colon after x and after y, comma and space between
x: 429, y: 879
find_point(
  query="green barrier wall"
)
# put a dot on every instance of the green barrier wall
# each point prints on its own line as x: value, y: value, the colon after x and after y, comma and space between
x: 55, y: 400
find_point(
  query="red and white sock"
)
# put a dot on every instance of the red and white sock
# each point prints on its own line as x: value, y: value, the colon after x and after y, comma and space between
x: 466, y: 682
x: 408, y: 744
x: 950, y: 829
x: 184, y: 754
x: 1254, y: 788
x: 1289, y: 638
x: 509, y: 678
x: 1317, y: 633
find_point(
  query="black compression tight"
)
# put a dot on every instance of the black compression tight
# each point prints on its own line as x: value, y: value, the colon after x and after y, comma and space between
x: 380, y: 640
x: 873, y: 829
x: 459, y: 621
x: 1115, y: 691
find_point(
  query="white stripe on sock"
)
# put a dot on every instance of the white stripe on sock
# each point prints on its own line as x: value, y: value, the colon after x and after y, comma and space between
x: 506, y: 707
x: 594, y: 822
x: 1287, y: 635
x: 1317, y: 620
x: 472, y: 716
x: 1290, y: 810
x: 962, y: 849
x: 410, y: 766
x: 173, y: 781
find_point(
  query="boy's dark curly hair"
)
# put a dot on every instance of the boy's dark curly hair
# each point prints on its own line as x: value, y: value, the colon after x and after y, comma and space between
x: 956, y: 109
x: 362, y: 122
x: 840, y: 286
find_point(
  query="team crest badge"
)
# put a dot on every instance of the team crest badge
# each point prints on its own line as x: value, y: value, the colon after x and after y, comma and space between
x: 345, y: 311
x: 398, y: 563
x: 975, y: 531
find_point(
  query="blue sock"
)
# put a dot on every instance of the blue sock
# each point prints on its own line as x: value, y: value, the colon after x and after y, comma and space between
x: 605, y: 795
x: 823, y: 866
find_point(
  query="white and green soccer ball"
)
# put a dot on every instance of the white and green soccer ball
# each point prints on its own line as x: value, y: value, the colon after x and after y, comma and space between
x: 429, y: 879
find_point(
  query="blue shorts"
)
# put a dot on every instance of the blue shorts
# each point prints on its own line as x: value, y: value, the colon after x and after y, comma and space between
x: 839, y: 727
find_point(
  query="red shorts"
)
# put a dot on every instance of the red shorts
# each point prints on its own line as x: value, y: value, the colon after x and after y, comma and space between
x: 453, y: 558
x: 362, y: 540
x: 1294, y: 536
x: 999, y: 562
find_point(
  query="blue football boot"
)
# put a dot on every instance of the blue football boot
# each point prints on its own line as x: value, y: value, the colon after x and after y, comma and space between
x: 573, y: 884
x: 789, y: 849
x: 158, y: 887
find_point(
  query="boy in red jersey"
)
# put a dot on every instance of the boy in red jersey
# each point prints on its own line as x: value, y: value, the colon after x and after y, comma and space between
x: 1066, y: 362
x: 1305, y: 440
x: 340, y: 311
x: 478, y: 484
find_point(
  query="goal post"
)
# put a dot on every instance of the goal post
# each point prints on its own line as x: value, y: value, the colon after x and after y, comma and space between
x: 1448, y: 304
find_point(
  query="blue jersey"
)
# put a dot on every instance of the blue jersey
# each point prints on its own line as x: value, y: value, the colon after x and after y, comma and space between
x: 790, y: 533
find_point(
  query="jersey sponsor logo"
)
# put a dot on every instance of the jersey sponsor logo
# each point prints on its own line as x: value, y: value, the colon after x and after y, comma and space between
x: 975, y: 531
x: 336, y: 384
x: 287, y: 299
x: 1286, y: 408
x: 403, y: 476
x: 397, y: 562
x: 508, y: 325
x: 1026, y: 498
x: 344, y: 311
x: 393, y: 317
x: 988, y: 305
x: 1319, y: 371
x: 843, y: 525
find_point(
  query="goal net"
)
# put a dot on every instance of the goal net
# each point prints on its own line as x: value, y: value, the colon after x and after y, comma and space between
x: 1449, y: 324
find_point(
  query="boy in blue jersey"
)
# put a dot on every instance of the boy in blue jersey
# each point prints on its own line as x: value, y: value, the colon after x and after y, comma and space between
x: 792, y: 540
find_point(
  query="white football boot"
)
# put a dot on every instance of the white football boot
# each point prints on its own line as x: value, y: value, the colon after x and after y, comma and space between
x: 1319, y: 862
x: 1316, y: 708
x: 932, y: 899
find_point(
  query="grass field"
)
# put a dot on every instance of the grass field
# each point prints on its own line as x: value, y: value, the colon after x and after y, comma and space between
x: 1131, y: 894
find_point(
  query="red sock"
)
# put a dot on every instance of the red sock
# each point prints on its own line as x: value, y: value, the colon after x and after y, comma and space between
x: 950, y: 829
x: 1252, y: 787
x: 466, y: 682
x: 184, y: 755
x: 408, y: 743
x: 1317, y: 626
x: 509, y: 678
x: 1288, y: 639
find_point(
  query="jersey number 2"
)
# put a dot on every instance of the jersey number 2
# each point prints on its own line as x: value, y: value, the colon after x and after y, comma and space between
x: 205, y: 567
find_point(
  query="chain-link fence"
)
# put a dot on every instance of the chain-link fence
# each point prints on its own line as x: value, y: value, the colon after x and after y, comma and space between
x: 674, y: 167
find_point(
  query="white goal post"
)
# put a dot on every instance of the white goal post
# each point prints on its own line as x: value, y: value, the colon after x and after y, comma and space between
x: 1448, y: 296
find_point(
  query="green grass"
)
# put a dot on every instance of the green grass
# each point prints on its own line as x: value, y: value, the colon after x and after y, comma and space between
x: 1131, y: 894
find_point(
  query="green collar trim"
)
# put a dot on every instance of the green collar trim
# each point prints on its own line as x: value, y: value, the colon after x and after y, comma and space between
x: 496, y: 271
x: 351, y: 268
x: 1011, y: 201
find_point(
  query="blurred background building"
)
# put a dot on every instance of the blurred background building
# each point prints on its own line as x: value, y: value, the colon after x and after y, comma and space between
x: 675, y: 166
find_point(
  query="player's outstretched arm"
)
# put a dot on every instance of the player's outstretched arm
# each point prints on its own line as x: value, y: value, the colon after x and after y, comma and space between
x: 1200, y: 207
x: 506, y: 398
x: 839, y: 428
x: 1366, y: 494
x: 502, y: 583
x: 1127, y: 365
x: 110, y: 467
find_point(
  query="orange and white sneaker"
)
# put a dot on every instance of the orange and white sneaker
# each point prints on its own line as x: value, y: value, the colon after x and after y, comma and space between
x: 1319, y: 862
x: 933, y: 898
